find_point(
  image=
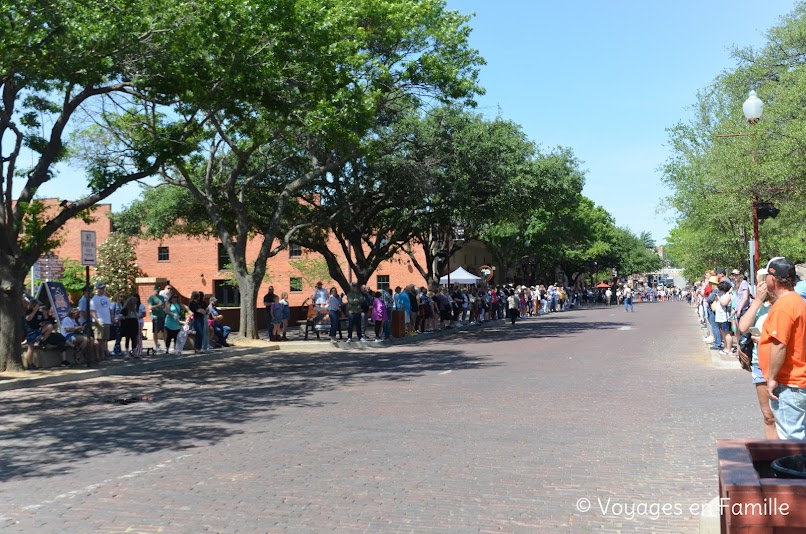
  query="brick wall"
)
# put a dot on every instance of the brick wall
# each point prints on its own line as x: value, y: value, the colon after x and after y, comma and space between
x: 192, y: 263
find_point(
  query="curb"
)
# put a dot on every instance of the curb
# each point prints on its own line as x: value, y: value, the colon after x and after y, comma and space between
x: 716, y: 360
x: 126, y: 369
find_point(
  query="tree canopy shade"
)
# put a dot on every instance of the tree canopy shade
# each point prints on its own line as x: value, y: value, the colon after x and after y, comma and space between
x: 303, y: 105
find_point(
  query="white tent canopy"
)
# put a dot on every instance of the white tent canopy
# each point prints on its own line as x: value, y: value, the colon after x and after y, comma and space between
x: 460, y: 276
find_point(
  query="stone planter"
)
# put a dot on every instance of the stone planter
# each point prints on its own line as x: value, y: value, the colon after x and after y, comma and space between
x: 752, y: 500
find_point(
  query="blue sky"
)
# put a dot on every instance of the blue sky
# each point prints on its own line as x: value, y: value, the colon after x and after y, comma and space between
x: 604, y: 78
x: 608, y: 78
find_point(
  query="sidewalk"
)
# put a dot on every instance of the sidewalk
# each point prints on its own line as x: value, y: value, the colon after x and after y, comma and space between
x: 120, y: 367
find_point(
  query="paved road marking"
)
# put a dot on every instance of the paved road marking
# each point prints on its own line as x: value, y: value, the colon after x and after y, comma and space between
x: 625, y: 328
x: 445, y: 372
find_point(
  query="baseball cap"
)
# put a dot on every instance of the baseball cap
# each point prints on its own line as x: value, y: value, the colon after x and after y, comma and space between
x: 736, y: 271
x: 213, y: 299
x: 157, y: 287
x: 713, y: 280
x: 100, y: 285
x: 721, y: 270
x: 781, y: 267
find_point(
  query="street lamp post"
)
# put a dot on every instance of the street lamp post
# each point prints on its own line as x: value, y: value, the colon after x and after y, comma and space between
x: 753, y: 107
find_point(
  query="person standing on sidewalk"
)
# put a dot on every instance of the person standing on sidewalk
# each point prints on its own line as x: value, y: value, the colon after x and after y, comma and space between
x: 199, y: 323
x: 156, y: 306
x: 782, y: 351
x: 101, y: 319
x: 334, y: 313
x: 513, y: 301
x: 389, y: 303
x: 378, y: 316
x: 355, y: 300
x: 268, y: 300
x: 755, y: 316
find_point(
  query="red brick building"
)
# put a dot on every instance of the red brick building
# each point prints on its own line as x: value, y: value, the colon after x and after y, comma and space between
x: 197, y: 264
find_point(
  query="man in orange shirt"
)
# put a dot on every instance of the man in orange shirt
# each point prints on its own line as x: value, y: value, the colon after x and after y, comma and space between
x: 782, y: 351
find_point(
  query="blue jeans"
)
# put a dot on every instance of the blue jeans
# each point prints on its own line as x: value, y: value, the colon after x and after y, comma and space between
x: 790, y: 412
x: 334, y: 323
x: 714, y: 328
x: 354, y: 321
x: 628, y: 304
x: 199, y: 325
x: 221, y: 332
x: 387, y: 328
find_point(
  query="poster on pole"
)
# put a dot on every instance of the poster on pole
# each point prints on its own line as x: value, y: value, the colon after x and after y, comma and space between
x: 88, y: 248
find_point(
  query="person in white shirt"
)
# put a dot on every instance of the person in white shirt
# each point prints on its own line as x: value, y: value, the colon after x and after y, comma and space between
x: 100, y: 310
x: 627, y: 294
x: 72, y: 330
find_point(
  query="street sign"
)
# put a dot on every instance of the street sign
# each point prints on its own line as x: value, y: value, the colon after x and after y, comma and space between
x: 88, y: 247
x: 48, y: 268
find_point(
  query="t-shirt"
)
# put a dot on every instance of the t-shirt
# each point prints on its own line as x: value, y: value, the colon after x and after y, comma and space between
x: 334, y: 303
x: 172, y: 318
x: 159, y: 302
x: 70, y: 327
x: 101, y: 306
x: 320, y: 296
x: 36, y: 321
x: 786, y: 322
x: 761, y: 316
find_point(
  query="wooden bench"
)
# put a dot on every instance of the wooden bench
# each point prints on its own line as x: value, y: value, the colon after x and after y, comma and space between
x: 316, y: 326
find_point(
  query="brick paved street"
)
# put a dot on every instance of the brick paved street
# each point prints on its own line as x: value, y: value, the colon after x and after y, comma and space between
x: 495, y: 430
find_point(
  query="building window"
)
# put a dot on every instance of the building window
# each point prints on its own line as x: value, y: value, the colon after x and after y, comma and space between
x: 223, y: 257
x: 227, y: 294
x: 294, y: 250
x: 163, y: 254
x: 295, y: 284
x: 383, y: 282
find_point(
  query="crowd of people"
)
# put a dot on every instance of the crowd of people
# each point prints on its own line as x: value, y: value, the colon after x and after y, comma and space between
x: 98, y: 320
x: 426, y: 310
x: 767, y: 332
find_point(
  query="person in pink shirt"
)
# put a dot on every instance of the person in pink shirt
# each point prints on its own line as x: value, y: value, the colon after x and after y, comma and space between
x: 378, y: 316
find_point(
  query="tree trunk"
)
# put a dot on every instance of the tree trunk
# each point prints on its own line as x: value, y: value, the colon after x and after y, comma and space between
x: 248, y: 289
x: 10, y: 320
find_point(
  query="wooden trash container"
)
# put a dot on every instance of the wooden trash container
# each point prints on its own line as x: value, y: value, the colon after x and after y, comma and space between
x: 398, y: 323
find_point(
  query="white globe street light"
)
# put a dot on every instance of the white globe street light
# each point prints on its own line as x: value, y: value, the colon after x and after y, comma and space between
x: 753, y: 107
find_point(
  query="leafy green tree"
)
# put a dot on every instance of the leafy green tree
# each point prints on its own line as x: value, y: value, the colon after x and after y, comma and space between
x: 299, y: 105
x: 74, y: 278
x: 117, y: 265
x: 312, y: 270
x: 469, y: 167
x: 58, y: 61
x: 720, y: 164
x: 536, y: 210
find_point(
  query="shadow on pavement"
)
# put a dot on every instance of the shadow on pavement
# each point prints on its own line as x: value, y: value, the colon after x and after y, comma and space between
x: 48, y: 429
x: 530, y: 328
